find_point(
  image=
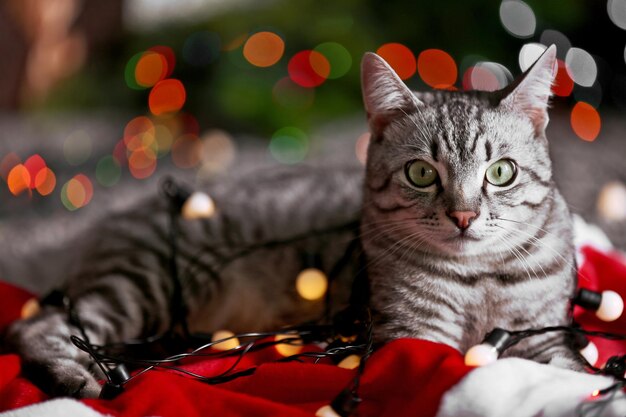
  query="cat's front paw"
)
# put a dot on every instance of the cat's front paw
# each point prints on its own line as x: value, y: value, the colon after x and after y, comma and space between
x: 49, y: 359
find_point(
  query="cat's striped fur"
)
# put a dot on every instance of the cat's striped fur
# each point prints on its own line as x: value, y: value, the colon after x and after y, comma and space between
x: 513, y: 268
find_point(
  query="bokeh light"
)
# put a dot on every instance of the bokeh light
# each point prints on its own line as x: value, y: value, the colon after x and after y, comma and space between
x: 201, y: 48
x: 486, y: 76
x: 187, y: 151
x: 218, y: 153
x: 437, y: 68
x: 338, y: 56
x: 142, y: 163
x: 163, y: 139
x: 139, y: 132
x: 529, y: 53
x: 264, y: 49
x: 585, y: 121
x: 167, y: 96
x: 308, y: 68
x: 45, y: 181
x: 563, y: 83
x: 18, y: 179
x: 400, y: 58
x: 311, y: 284
x: 151, y: 68
x: 362, y: 143
x: 611, y: 204
x: 77, y: 192
x: 518, y: 18
x: 129, y: 72
x: 77, y: 147
x: 229, y: 344
x: 581, y: 67
x: 108, y: 171
x: 617, y: 12
x: 289, y: 145
x: 168, y: 54
x: 292, y: 344
x: 34, y: 164
x: 554, y: 37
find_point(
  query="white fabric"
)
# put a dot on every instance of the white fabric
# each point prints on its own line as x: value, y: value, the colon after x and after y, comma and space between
x: 62, y: 407
x: 516, y: 387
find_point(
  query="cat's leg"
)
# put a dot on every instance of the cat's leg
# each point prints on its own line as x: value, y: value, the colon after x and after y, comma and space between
x: 122, y: 291
x: 553, y: 349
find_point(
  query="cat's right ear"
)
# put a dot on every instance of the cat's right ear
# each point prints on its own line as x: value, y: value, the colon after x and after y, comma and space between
x: 385, y: 95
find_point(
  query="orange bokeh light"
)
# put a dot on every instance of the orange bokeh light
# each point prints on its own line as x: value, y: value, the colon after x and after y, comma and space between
x: 18, y: 179
x: 167, y: 96
x: 400, y: 58
x: 151, y: 68
x: 437, y: 68
x: 142, y: 163
x: 585, y: 121
x: 264, y: 49
x: 563, y: 83
x: 45, y: 181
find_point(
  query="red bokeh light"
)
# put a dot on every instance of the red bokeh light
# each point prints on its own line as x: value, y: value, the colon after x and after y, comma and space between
x: 437, y: 68
x: 400, y: 58
x: 308, y: 68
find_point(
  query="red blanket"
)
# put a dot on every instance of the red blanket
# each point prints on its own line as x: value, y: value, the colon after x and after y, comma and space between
x: 405, y: 377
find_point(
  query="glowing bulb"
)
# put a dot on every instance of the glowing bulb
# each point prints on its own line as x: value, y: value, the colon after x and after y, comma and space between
x: 350, y: 362
x: 595, y: 393
x: 480, y: 355
x: 326, y: 411
x: 311, y: 284
x: 590, y: 353
x: 289, y: 348
x: 30, y: 308
x: 229, y: 344
x: 611, y: 306
x: 198, y: 206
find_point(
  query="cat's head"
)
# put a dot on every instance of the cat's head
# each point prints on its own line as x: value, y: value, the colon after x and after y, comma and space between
x: 445, y: 168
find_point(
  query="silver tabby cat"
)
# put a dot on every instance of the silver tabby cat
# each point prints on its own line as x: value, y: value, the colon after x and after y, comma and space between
x: 462, y: 226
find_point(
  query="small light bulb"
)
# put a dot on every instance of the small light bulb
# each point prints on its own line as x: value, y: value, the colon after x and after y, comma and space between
x: 611, y: 306
x: 311, y: 284
x: 326, y: 411
x: 198, y: 206
x: 290, y: 348
x: 30, y: 308
x: 481, y: 355
x: 595, y: 393
x: 226, y: 344
x: 350, y: 362
x: 590, y: 353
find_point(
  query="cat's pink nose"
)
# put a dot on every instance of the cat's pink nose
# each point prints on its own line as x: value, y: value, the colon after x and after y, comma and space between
x: 462, y: 218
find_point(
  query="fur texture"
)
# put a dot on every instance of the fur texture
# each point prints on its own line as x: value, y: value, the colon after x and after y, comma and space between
x: 513, y: 267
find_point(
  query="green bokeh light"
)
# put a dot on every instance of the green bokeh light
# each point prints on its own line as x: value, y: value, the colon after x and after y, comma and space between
x: 129, y: 72
x: 339, y: 58
x: 289, y: 145
x: 65, y: 200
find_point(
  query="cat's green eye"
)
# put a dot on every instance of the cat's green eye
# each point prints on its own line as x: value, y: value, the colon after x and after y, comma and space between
x: 420, y: 173
x: 501, y: 173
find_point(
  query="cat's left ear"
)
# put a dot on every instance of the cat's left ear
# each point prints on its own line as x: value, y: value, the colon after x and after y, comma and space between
x: 530, y: 93
x: 384, y: 94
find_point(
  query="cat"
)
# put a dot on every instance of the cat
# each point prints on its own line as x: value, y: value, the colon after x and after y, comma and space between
x: 462, y: 227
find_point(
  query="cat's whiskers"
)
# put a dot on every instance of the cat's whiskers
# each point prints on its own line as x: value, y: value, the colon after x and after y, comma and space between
x: 511, y: 250
x: 520, y: 246
x: 391, y: 250
x: 542, y: 243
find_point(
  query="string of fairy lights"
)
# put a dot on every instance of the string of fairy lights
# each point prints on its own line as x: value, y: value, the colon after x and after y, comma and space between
x: 345, y: 339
